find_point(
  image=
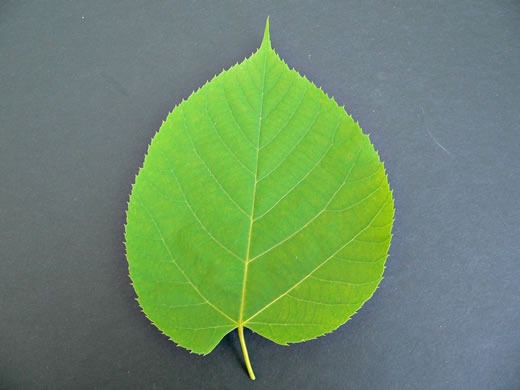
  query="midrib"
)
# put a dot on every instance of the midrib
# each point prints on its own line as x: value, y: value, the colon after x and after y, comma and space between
x: 247, y: 260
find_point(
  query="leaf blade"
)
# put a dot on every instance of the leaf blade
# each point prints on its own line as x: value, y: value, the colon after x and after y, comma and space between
x: 260, y: 203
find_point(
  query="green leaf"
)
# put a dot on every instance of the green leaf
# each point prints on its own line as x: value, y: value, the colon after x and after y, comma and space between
x: 261, y: 204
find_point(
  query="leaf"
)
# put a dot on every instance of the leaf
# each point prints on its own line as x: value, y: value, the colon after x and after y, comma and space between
x: 261, y: 204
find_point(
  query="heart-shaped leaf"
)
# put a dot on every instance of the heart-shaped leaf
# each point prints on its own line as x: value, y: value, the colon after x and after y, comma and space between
x: 261, y: 204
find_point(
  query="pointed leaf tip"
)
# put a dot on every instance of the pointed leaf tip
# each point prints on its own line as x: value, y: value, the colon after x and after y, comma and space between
x: 267, y: 40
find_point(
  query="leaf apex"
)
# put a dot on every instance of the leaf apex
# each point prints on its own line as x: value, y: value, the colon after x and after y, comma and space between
x: 267, y: 40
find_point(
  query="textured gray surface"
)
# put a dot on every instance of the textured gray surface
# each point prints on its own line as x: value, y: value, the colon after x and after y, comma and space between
x: 84, y: 86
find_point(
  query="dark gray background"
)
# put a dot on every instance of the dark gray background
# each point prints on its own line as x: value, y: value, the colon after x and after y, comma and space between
x: 85, y: 84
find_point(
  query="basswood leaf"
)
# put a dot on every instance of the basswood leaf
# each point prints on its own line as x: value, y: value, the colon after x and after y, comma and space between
x: 261, y: 204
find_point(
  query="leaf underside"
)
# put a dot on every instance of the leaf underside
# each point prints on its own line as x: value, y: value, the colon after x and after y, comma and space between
x: 260, y: 204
